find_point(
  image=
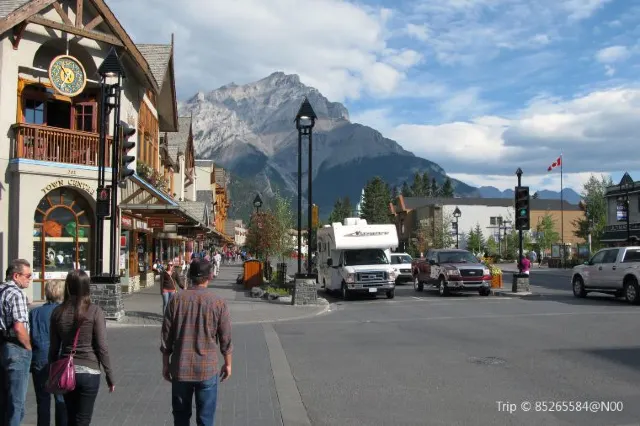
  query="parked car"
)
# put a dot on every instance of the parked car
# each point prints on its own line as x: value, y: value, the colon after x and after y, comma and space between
x: 612, y: 271
x: 451, y: 270
x: 402, y: 262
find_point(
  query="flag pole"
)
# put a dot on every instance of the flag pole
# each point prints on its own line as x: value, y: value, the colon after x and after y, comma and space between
x: 562, y: 211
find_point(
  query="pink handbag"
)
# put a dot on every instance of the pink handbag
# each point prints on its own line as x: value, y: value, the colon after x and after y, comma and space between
x: 62, y: 373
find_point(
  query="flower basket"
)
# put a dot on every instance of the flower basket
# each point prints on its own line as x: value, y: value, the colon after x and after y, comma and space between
x: 496, y: 276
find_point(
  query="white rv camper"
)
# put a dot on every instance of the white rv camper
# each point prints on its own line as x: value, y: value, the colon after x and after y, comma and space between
x: 354, y: 258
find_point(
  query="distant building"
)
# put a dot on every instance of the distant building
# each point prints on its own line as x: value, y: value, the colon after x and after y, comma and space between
x: 489, y: 213
x: 616, y: 230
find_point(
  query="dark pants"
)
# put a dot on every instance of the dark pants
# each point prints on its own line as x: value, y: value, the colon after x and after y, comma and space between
x: 206, y: 397
x: 15, y: 362
x: 43, y: 399
x: 81, y: 400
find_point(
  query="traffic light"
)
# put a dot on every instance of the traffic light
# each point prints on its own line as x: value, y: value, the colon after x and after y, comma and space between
x: 522, y: 208
x: 125, y: 160
x: 314, y: 216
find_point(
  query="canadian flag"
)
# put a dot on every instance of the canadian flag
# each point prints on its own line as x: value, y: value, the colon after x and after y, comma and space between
x: 555, y: 164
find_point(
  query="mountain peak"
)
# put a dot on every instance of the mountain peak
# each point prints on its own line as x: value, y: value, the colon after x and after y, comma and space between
x: 279, y: 78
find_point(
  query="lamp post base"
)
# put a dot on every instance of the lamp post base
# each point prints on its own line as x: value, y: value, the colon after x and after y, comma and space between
x: 520, y: 283
x: 305, y: 291
x: 106, y: 292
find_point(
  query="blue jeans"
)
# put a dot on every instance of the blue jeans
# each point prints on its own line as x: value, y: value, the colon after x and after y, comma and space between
x: 206, y: 398
x: 166, y: 296
x: 15, y: 362
x: 43, y: 399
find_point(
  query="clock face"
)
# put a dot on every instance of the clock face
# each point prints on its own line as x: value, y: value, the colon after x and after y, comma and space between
x: 67, y: 75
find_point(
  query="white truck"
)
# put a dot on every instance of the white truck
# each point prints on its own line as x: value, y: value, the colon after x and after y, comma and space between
x: 354, y: 258
x: 614, y: 271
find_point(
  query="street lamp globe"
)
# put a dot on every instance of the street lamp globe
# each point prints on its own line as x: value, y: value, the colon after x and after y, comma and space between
x: 457, y: 213
x: 306, y: 116
x: 111, y: 66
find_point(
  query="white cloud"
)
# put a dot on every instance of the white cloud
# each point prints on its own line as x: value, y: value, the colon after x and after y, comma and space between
x: 582, y: 9
x: 337, y: 46
x: 594, y: 133
x: 419, y: 32
x: 612, y: 54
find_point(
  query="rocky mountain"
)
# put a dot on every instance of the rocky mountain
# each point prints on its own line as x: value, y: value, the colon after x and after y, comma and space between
x: 569, y: 194
x: 249, y: 130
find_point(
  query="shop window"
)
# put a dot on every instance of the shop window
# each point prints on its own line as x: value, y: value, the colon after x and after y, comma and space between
x: 61, y: 236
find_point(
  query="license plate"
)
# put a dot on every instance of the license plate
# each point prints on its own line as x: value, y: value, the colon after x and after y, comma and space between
x: 373, y: 290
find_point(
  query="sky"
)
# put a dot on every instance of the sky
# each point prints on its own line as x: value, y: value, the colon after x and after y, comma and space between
x: 480, y: 87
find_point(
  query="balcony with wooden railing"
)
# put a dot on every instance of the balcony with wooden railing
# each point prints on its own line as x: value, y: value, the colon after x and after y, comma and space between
x: 44, y: 143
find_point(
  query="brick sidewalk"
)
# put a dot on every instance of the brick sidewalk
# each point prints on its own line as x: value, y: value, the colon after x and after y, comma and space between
x: 143, y: 397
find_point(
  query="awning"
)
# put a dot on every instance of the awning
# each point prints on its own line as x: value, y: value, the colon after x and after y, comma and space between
x: 169, y: 213
x: 618, y: 236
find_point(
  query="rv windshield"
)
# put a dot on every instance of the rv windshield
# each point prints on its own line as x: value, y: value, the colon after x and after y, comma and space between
x: 365, y: 257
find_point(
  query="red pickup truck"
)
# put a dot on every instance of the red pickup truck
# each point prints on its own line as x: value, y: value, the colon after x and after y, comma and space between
x: 451, y: 270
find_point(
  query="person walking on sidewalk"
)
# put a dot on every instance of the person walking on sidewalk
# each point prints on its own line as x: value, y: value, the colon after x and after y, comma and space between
x: 525, y: 265
x: 15, y: 344
x: 196, y: 324
x: 78, y: 316
x: 168, y: 285
x: 39, y: 320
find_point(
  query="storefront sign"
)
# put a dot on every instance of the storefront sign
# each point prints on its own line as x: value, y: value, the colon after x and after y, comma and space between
x: 141, y: 225
x: 155, y: 222
x: 621, y: 211
x: 123, y: 241
x: 632, y: 226
x: 127, y: 221
x: 69, y: 182
x: 171, y: 228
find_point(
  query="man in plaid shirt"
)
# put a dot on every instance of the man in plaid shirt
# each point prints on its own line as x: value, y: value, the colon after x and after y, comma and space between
x: 196, y: 323
x: 15, y: 344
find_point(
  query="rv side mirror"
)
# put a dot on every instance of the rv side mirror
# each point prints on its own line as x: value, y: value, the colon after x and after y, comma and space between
x: 329, y: 263
x: 432, y: 262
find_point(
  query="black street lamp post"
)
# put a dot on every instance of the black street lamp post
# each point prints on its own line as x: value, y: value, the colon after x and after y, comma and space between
x: 107, y: 202
x: 520, y: 238
x: 257, y: 203
x: 457, y: 213
x: 627, y: 184
x: 305, y: 120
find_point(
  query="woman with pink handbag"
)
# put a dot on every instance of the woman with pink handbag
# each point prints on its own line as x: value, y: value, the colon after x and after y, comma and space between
x: 75, y: 362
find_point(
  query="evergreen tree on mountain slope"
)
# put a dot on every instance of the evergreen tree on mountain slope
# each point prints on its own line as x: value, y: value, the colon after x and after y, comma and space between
x: 426, y: 185
x: 375, y: 206
x: 417, y: 187
x: 447, y: 189
x: 406, y: 191
x: 341, y: 210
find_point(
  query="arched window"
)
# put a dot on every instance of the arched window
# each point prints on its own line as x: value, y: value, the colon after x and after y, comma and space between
x: 61, y: 236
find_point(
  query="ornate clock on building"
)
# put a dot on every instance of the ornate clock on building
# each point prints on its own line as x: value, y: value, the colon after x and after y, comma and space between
x: 67, y: 75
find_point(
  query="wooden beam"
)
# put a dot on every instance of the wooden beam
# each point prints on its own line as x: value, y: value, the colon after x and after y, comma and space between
x: 94, y: 23
x: 22, y: 13
x: 105, y: 38
x: 65, y: 18
x: 18, y: 31
x: 80, y: 14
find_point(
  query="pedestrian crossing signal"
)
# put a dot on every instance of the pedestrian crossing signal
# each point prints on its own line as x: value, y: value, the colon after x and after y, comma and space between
x: 522, y: 208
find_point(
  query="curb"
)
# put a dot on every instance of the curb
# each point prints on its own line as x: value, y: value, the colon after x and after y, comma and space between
x: 505, y: 292
x: 326, y: 309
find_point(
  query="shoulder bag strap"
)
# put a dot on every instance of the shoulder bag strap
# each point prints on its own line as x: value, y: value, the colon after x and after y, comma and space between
x: 172, y: 281
x: 75, y: 339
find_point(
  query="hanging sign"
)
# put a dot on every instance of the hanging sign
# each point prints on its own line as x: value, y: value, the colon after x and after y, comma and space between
x: 155, y: 222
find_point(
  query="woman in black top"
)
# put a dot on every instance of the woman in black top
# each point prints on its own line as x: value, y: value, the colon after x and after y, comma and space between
x: 91, y: 350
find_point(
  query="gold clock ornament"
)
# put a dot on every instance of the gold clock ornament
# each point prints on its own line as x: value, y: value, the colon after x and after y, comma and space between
x: 67, y: 75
